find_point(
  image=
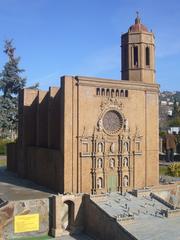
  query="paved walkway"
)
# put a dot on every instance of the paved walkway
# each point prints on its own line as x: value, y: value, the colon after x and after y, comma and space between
x: 3, y: 157
x: 14, y: 188
x: 148, y: 222
x: 75, y: 237
x: 164, y: 163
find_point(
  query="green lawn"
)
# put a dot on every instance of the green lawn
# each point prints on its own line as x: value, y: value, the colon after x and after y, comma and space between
x: 3, y: 163
x: 3, y: 146
x: 34, y: 238
x: 163, y: 170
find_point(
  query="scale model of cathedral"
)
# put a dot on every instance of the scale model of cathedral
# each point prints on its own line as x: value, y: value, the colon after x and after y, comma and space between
x: 94, y: 135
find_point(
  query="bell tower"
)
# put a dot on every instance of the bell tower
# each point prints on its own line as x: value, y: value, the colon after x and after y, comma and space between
x: 138, y: 54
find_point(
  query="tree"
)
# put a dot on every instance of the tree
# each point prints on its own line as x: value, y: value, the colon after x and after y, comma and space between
x: 175, y: 120
x: 10, y: 84
x: 176, y: 110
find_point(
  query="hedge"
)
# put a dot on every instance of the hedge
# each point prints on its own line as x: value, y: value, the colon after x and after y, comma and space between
x: 3, y: 143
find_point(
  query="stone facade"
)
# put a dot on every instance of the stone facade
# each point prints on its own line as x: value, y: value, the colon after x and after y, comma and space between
x: 94, y: 135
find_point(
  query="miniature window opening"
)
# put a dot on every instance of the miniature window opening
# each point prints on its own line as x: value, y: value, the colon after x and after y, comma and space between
x: 126, y: 93
x: 98, y: 91
x: 147, y: 56
x: 125, y: 57
x: 107, y: 92
x: 100, y: 163
x: 126, y: 181
x: 122, y: 93
x: 112, y: 93
x: 135, y: 49
x: 99, y: 183
x: 103, y: 92
x: 117, y: 93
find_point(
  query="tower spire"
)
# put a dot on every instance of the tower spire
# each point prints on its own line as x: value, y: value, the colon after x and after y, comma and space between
x: 137, y: 20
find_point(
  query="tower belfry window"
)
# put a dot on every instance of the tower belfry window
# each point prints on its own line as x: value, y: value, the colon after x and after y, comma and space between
x: 135, y: 56
x: 147, y: 56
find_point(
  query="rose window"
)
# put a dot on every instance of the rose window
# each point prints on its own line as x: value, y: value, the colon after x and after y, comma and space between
x: 112, y: 121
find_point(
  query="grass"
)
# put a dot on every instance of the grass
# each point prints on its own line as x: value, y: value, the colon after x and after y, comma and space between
x: 3, y: 163
x: 3, y: 143
x: 163, y: 170
x: 34, y: 238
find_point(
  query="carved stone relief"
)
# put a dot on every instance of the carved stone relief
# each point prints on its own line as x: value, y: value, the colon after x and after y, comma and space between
x: 112, y: 163
x: 111, y: 119
x: 111, y: 153
x: 112, y: 148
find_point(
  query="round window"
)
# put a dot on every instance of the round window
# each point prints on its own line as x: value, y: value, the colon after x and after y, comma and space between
x: 112, y: 121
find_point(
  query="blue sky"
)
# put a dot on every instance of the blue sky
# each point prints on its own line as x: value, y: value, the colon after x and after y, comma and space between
x: 82, y: 37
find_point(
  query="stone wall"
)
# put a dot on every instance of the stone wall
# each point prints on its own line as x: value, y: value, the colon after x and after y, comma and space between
x: 12, y: 157
x: 23, y: 207
x: 68, y: 214
x: 39, y: 126
x: 99, y: 225
x: 169, y: 193
x: 43, y: 166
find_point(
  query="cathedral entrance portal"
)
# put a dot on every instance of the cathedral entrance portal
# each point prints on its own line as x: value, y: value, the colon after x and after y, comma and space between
x: 112, y: 183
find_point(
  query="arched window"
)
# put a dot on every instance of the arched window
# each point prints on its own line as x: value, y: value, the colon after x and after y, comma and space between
x: 135, y: 51
x: 100, y: 163
x: 122, y: 93
x: 107, y: 92
x: 99, y: 183
x: 112, y: 93
x: 126, y: 93
x: 147, y: 56
x: 103, y: 92
x: 98, y: 91
x: 126, y: 181
x: 117, y: 93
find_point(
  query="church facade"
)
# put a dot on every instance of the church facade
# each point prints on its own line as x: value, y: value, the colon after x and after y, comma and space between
x: 94, y: 135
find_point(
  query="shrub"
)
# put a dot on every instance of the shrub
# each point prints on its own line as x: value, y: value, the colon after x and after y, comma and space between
x: 174, y: 169
x: 3, y: 143
x: 162, y: 134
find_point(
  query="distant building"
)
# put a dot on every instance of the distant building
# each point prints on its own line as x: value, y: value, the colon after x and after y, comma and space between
x: 164, y: 103
x: 175, y: 130
x: 170, y: 103
x: 170, y: 112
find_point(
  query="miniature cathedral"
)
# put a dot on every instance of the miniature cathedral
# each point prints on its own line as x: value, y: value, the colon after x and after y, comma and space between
x: 94, y: 135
